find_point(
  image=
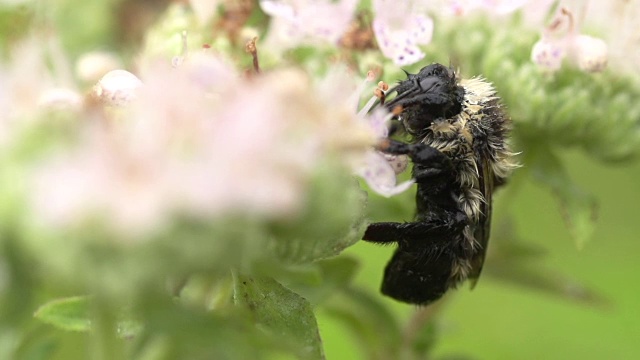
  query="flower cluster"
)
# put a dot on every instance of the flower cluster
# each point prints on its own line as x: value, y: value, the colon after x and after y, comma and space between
x: 296, y: 21
x: 201, y: 139
x: 561, y: 40
x: 399, y: 27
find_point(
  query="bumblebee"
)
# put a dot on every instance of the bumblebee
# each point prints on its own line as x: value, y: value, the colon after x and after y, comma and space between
x: 459, y: 132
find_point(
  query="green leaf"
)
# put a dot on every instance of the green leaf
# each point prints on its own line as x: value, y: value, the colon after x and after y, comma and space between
x: 70, y: 313
x: 333, y: 274
x: 549, y: 282
x: 578, y: 207
x: 332, y: 220
x: 281, y: 312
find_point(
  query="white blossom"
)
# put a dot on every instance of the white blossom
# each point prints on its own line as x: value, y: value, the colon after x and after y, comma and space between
x: 307, y: 21
x: 399, y: 28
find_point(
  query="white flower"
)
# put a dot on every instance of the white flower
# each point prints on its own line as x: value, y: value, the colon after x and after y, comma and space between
x: 548, y: 54
x: 561, y: 40
x: 30, y: 84
x: 297, y: 21
x: 378, y: 169
x: 202, y: 141
x: 204, y: 9
x: 499, y: 7
x: 60, y: 98
x: 590, y: 53
x: 399, y: 28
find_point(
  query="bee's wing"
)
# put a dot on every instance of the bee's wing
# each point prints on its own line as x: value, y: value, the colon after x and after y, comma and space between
x: 483, y: 227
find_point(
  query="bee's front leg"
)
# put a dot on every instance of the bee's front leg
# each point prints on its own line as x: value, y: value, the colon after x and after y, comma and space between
x: 429, y: 164
x: 433, y: 170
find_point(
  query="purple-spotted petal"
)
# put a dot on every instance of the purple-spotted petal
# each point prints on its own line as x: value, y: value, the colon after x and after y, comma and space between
x: 380, y: 175
x: 379, y: 122
x: 296, y: 21
x: 398, y: 163
x: 548, y: 54
x: 399, y: 43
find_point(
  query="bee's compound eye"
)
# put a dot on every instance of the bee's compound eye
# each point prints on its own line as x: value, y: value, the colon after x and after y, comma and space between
x: 429, y: 83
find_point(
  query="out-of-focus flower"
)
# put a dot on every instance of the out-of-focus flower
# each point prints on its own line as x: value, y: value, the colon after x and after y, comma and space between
x: 201, y: 140
x: 617, y: 21
x: 297, y: 21
x: 590, y: 53
x: 561, y: 40
x: 548, y: 54
x: 91, y: 66
x: 379, y: 170
x: 29, y: 85
x: 60, y: 99
x: 400, y: 26
x: 463, y: 7
x: 204, y: 9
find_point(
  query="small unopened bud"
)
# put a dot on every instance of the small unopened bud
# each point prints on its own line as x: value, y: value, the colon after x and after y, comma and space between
x: 117, y: 88
x: 591, y: 54
x: 60, y: 99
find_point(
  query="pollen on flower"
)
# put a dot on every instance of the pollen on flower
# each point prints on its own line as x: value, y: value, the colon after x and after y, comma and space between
x: 371, y: 75
x: 377, y: 169
x: 379, y: 93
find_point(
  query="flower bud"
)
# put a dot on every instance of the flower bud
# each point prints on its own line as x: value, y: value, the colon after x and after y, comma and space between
x: 60, y: 99
x: 590, y: 53
x: 117, y: 88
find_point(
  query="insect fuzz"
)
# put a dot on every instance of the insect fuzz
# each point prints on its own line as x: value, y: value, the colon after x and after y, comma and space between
x: 460, y: 154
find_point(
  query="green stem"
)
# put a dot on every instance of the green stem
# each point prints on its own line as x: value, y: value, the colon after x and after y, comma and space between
x: 104, y: 342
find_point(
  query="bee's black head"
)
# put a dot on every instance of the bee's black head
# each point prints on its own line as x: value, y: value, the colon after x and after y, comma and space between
x: 430, y: 94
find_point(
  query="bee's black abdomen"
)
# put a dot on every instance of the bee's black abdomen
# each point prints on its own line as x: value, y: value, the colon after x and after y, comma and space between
x: 411, y: 279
